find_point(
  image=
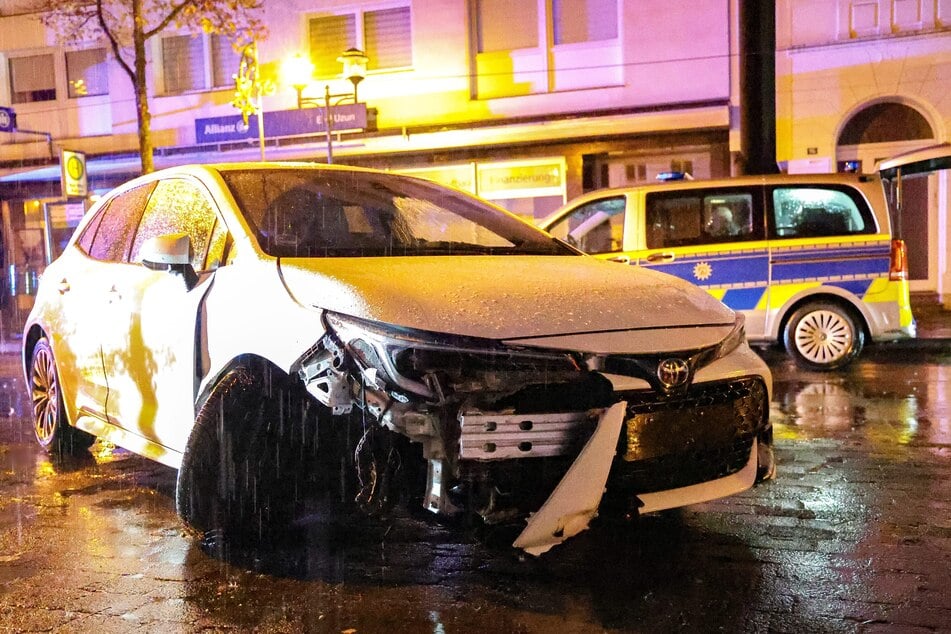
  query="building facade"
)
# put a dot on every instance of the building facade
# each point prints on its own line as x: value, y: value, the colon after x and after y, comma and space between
x: 528, y: 104
x: 859, y: 81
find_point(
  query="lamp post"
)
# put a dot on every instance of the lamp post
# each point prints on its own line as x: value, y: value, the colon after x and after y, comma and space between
x: 299, y: 72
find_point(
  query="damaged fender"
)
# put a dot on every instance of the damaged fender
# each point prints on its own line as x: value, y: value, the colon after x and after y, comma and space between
x: 575, y: 500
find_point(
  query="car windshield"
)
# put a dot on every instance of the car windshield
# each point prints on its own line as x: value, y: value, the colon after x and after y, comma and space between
x: 331, y: 213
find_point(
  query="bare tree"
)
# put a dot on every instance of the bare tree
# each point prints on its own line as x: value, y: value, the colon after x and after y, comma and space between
x: 128, y: 24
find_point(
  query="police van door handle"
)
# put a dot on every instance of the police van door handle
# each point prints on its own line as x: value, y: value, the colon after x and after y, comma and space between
x: 623, y: 259
x: 666, y: 256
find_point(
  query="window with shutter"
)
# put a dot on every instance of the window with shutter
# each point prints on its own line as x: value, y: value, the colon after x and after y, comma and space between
x: 32, y: 78
x: 329, y: 37
x: 388, y: 38
x: 183, y: 61
x: 224, y: 62
x: 385, y: 35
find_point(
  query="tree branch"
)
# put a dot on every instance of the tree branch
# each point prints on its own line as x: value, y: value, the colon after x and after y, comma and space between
x: 113, y: 42
x: 158, y: 28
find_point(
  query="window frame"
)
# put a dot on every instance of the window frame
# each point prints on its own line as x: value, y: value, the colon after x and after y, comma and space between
x: 207, y: 59
x: 359, y: 14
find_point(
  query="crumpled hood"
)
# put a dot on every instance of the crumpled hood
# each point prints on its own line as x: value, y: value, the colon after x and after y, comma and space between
x: 501, y: 297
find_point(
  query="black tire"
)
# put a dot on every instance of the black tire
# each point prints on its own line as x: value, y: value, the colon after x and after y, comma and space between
x: 50, y: 427
x: 823, y: 336
x: 246, y: 461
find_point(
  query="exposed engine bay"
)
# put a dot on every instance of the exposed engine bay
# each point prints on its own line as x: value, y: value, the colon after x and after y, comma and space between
x: 503, y: 427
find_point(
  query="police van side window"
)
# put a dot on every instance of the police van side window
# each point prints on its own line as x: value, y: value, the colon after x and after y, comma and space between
x: 702, y: 216
x: 595, y: 227
x: 814, y: 212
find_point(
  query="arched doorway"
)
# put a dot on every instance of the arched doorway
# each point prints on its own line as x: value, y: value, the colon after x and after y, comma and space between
x: 882, y: 130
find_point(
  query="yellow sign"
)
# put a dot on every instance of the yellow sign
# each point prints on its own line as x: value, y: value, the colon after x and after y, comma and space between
x: 520, y: 177
x: 73, y: 174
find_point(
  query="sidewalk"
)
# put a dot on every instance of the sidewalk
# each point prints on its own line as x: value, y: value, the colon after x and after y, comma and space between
x: 934, y: 321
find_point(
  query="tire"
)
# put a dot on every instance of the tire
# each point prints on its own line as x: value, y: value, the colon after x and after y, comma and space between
x: 50, y: 427
x: 246, y: 461
x: 823, y: 336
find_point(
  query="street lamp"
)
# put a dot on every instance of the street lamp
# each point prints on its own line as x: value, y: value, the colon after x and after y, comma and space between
x: 299, y: 72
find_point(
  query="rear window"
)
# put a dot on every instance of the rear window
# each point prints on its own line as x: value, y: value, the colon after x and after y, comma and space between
x: 813, y: 212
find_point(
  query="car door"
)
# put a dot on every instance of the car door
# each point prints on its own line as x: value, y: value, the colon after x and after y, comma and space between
x: 154, y: 322
x: 83, y: 276
x: 715, y: 238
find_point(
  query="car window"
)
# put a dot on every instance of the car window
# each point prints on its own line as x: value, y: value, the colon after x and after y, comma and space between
x: 116, y: 228
x: 809, y: 212
x: 322, y: 213
x: 702, y: 216
x: 178, y: 206
x: 89, y: 232
x: 594, y: 227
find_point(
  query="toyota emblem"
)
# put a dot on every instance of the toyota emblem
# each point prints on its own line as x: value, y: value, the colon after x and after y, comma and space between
x: 673, y: 373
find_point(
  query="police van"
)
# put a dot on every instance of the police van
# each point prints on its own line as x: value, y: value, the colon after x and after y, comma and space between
x: 809, y: 259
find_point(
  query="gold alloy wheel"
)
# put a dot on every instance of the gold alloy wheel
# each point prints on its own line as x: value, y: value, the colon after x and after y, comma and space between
x: 45, y: 395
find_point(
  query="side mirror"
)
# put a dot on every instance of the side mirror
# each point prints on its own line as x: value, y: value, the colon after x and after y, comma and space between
x: 170, y: 252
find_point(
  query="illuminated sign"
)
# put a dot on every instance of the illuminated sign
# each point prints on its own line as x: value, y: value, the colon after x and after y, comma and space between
x: 73, y: 174
x: 535, y: 179
x: 281, y: 123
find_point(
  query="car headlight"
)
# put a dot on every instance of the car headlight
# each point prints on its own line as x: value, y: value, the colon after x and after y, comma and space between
x: 733, y: 340
x: 408, y: 358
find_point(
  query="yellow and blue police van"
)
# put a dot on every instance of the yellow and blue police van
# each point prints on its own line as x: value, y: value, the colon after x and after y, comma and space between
x: 809, y: 259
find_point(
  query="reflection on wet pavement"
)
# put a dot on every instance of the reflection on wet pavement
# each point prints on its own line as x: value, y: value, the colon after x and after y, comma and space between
x: 853, y: 535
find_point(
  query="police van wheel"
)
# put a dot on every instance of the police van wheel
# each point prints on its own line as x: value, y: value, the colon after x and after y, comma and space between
x: 823, y: 336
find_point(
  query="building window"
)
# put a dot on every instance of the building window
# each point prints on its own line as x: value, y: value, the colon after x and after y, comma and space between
x: 199, y: 62
x: 503, y: 25
x: 86, y: 73
x: 385, y: 35
x: 575, y: 21
x: 32, y: 78
x: 543, y: 46
x: 224, y: 62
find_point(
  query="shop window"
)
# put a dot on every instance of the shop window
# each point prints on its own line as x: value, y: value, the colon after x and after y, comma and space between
x: 385, y: 36
x: 86, y: 73
x: 198, y: 62
x: 32, y: 78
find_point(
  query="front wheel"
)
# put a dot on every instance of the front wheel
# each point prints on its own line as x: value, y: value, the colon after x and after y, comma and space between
x: 823, y: 336
x: 49, y: 419
x: 246, y: 461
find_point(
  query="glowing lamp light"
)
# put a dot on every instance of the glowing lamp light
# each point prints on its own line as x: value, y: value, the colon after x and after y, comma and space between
x: 297, y: 71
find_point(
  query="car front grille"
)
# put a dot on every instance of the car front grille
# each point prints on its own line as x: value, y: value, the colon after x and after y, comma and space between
x: 703, y: 435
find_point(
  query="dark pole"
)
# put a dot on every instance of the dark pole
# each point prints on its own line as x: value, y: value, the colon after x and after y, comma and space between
x: 758, y: 85
x: 328, y: 125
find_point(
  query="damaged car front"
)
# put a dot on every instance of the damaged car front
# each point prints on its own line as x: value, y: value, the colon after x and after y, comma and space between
x: 283, y: 332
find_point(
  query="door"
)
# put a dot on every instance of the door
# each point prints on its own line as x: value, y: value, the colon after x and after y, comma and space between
x: 152, y: 368
x: 83, y: 279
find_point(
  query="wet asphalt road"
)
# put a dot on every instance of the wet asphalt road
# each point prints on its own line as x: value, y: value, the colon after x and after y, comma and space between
x: 854, y: 535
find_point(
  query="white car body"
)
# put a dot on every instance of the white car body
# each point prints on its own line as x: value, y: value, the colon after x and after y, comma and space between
x: 138, y: 351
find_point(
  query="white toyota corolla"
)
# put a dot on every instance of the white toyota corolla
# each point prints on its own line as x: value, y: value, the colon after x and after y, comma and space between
x: 279, y: 332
